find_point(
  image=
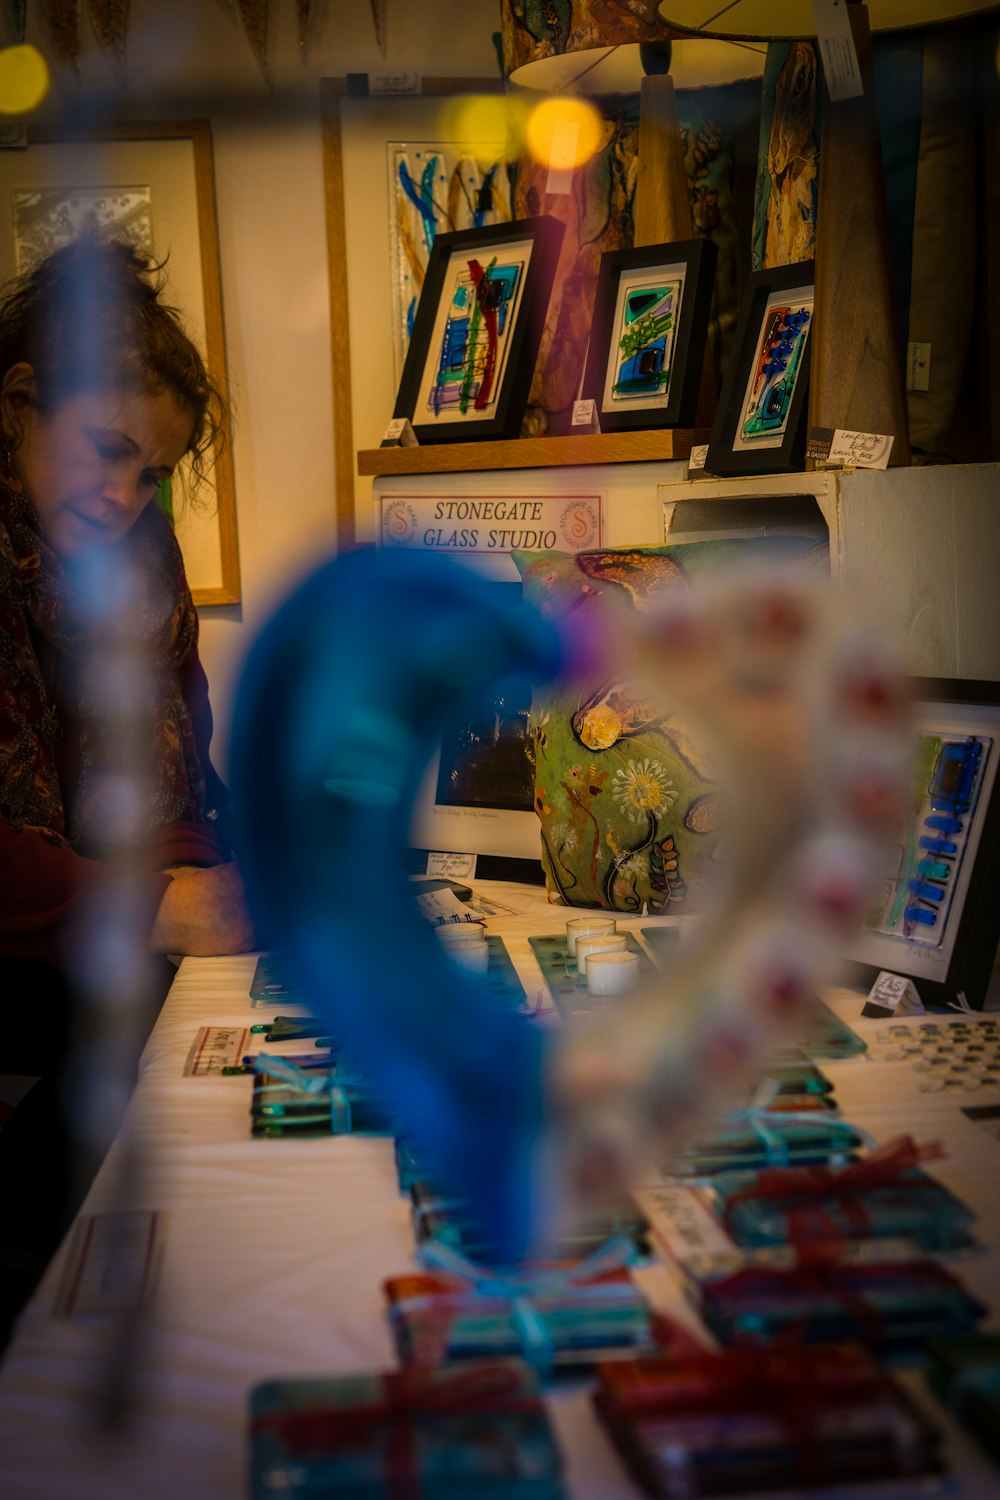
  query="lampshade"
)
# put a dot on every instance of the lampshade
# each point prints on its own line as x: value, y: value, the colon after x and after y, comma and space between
x: 790, y: 20
x: 618, y: 70
x: 592, y: 47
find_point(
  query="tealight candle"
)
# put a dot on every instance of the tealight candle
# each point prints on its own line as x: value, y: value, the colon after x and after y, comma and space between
x: 607, y: 942
x: 453, y: 933
x: 578, y: 927
x: 473, y: 957
x: 612, y: 973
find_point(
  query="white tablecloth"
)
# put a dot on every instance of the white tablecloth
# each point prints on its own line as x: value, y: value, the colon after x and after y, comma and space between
x: 275, y: 1251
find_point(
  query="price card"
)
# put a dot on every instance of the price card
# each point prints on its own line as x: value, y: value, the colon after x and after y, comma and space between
x: 215, y: 1048
x: 682, y: 1222
x: 836, y: 44
x: 113, y: 1264
x: 892, y: 994
x: 449, y: 866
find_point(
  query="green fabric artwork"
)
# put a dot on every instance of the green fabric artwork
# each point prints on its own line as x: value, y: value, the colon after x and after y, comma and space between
x: 165, y: 498
x: 627, y: 796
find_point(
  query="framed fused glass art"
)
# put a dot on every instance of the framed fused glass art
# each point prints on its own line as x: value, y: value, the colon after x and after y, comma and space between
x: 935, y: 917
x: 477, y: 328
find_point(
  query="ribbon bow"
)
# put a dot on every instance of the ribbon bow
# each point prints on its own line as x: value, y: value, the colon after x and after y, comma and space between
x: 327, y: 1085
x: 879, y: 1169
x: 523, y: 1289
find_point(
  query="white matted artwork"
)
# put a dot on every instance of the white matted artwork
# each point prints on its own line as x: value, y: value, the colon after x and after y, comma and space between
x: 46, y: 218
x: 435, y: 187
x: 152, y: 184
x: 646, y: 315
x: 774, y: 370
x: 459, y: 339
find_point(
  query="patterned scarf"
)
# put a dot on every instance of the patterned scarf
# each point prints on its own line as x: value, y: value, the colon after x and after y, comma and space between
x: 41, y: 621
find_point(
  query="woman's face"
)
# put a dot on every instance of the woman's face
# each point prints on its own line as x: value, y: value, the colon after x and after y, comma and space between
x: 91, y: 466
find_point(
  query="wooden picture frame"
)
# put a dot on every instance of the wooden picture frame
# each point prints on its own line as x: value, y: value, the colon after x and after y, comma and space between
x: 153, y: 182
x: 759, y: 424
x: 649, y: 333
x: 357, y: 130
x: 944, y: 937
x: 478, y: 327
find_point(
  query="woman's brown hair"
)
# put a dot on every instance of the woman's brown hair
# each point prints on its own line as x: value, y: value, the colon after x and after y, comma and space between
x: 91, y: 317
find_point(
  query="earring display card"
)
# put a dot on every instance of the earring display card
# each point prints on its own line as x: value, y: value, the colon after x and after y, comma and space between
x: 454, y: 1433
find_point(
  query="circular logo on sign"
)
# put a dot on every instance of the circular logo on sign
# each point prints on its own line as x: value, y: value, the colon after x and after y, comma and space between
x: 399, y: 523
x: 578, y: 524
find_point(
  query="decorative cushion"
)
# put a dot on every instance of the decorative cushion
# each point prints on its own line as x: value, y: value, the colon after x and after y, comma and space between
x: 626, y: 795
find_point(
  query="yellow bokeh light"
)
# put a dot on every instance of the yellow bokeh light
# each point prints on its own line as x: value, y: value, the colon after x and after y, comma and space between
x: 477, y: 122
x: 563, y: 132
x: 24, y: 80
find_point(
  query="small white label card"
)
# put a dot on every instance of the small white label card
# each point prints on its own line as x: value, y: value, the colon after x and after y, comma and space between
x: 860, y: 450
x: 215, y: 1048
x: 836, y: 45
x: 452, y: 866
x: 918, y: 367
x: 698, y: 458
x: 682, y: 1222
x: 113, y: 1264
x: 585, y: 417
x: 397, y: 82
x: 399, y: 434
x: 892, y: 995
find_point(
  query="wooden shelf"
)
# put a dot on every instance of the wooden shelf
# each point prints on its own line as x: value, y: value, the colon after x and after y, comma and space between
x: 535, y: 453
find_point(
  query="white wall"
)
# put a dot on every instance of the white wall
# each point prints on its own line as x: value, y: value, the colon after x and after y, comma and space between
x: 189, y: 58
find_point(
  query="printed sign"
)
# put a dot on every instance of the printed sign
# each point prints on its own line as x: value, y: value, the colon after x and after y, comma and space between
x: 112, y: 1264
x: 491, y: 525
x: 215, y: 1048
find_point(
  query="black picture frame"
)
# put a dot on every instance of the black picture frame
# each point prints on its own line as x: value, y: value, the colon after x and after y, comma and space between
x: 961, y: 710
x: 656, y: 396
x: 520, y: 299
x: 778, y: 444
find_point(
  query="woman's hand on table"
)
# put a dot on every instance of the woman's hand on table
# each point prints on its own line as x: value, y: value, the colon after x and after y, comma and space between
x: 203, y: 913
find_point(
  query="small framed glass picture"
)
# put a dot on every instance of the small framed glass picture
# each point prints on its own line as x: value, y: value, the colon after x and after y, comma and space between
x: 759, y: 424
x: 647, y: 343
x: 477, y: 330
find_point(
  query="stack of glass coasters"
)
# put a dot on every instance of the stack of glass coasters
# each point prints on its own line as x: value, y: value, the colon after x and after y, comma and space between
x: 891, y: 1306
x: 562, y: 1320
x: 477, y: 1431
x: 717, y: 1424
x: 886, y: 1194
x: 965, y: 1374
x: 318, y: 1102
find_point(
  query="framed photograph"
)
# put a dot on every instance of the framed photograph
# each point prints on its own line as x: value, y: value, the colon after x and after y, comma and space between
x: 649, y: 334
x: 759, y: 425
x: 153, y: 184
x: 478, y: 794
x: 477, y: 330
x: 936, y: 918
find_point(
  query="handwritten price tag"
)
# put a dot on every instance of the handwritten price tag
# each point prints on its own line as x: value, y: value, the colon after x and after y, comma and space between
x: 860, y: 450
x: 215, y: 1048
x: 682, y: 1222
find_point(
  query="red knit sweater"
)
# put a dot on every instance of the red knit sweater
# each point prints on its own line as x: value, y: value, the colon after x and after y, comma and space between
x: 42, y: 888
